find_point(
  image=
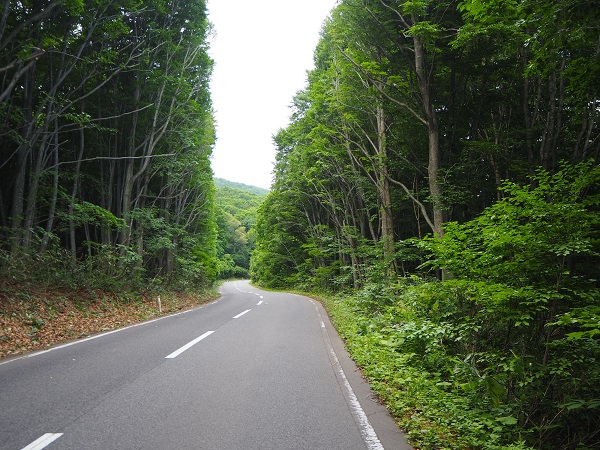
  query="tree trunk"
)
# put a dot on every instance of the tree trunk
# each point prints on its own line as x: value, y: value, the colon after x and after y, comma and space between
x: 129, y: 179
x: 54, y: 199
x: 433, y: 167
x: 73, y: 199
x: 23, y: 152
x: 383, y: 189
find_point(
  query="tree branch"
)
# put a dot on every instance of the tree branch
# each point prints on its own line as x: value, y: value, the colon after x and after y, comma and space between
x: 380, y: 90
x: 414, y: 199
x: 97, y: 158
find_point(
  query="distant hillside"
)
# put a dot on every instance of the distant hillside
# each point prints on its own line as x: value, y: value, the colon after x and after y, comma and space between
x: 221, y: 183
x: 236, y: 204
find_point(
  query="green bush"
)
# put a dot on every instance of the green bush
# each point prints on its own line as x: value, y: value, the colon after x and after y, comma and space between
x: 524, y: 304
x: 506, y: 354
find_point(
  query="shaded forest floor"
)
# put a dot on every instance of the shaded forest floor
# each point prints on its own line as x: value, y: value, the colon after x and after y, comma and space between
x: 35, y: 317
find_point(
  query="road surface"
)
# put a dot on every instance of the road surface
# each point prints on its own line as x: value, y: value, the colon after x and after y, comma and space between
x: 252, y: 370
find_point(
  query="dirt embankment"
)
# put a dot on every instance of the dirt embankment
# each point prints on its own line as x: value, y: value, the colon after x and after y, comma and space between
x: 34, y: 317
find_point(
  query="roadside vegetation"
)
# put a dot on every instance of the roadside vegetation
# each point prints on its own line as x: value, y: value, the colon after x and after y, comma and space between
x: 438, y: 187
x: 504, y: 355
x: 107, y: 197
x: 34, y: 316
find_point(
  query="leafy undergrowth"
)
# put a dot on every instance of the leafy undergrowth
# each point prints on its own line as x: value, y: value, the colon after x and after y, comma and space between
x: 34, y: 317
x: 432, y: 416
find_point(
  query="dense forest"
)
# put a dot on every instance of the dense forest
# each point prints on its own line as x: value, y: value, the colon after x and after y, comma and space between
x: 439, y: 184
x: 236, y: 206
x: 106, y: 130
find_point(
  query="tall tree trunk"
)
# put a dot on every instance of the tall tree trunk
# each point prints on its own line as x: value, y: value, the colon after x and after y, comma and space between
x: 383, y: 189
x: 18, y: 200
x: 23, y: 153
x: 54, y: 198
x: 433, y: 134
x: 129, y: 178
x: 73, y: 199
x: 31, y: 208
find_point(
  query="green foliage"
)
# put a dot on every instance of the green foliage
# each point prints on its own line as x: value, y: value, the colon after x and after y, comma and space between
x: 73, y: 7
x: 220, y: 183
x: 415, y: 8
x: 542, y: 236
x: 277, y: 253
x: 504, y: 353
x: 404, y: 353
x: 112, y: 267
x: 105, y: 142
x: 237, y: 206
x: 425, y: 30
x: 91, y: 214
x: 107, y: 267
x: 586, y: 318
x: 461, y: 375
x: 523, y: 308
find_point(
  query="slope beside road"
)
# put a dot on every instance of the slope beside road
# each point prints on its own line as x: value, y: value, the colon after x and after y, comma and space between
x: 252, y: 370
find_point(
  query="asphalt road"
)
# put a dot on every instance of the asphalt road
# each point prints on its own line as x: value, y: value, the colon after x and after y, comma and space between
x: 252, y: 370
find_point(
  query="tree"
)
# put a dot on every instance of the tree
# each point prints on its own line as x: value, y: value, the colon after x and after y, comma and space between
x: 526, y: 287
x: 99, y: 99
x: 237, y: 206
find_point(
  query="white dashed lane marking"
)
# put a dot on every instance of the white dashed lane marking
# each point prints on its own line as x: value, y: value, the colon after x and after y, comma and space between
x: 241, y: 314
x: 188, y: 345
x: 43, y: 441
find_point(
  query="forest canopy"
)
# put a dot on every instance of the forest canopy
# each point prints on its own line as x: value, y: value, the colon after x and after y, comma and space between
x: 438, y: 184
x: 106, y: 130
x: 236, y: 208
x: 439, y: 181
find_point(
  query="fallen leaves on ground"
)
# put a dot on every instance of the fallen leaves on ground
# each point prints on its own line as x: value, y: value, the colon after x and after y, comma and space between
x: 37, y: 317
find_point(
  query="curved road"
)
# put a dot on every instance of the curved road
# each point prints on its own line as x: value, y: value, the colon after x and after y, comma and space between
x: 252, y: 370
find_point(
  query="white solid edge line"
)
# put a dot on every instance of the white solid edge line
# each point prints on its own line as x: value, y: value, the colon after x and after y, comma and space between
x: 366, y: 429
x: 43, y: 441
x: 241, y: 314
x: 106, y: 333
x: 188, y: 345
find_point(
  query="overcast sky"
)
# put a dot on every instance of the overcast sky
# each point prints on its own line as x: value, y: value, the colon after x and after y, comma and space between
x: 262, y: 50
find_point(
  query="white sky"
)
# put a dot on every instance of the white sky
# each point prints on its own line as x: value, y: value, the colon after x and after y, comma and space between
x: 262, y: 50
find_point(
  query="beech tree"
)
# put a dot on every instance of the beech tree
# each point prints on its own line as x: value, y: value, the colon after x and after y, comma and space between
x: 107, y: 134
x: 474, y: 125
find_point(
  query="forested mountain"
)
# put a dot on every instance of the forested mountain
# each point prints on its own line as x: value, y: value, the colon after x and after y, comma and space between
x: 106, y: 131
x: 441, y: 170
x: 221, y: 183
x: 237, y: 205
